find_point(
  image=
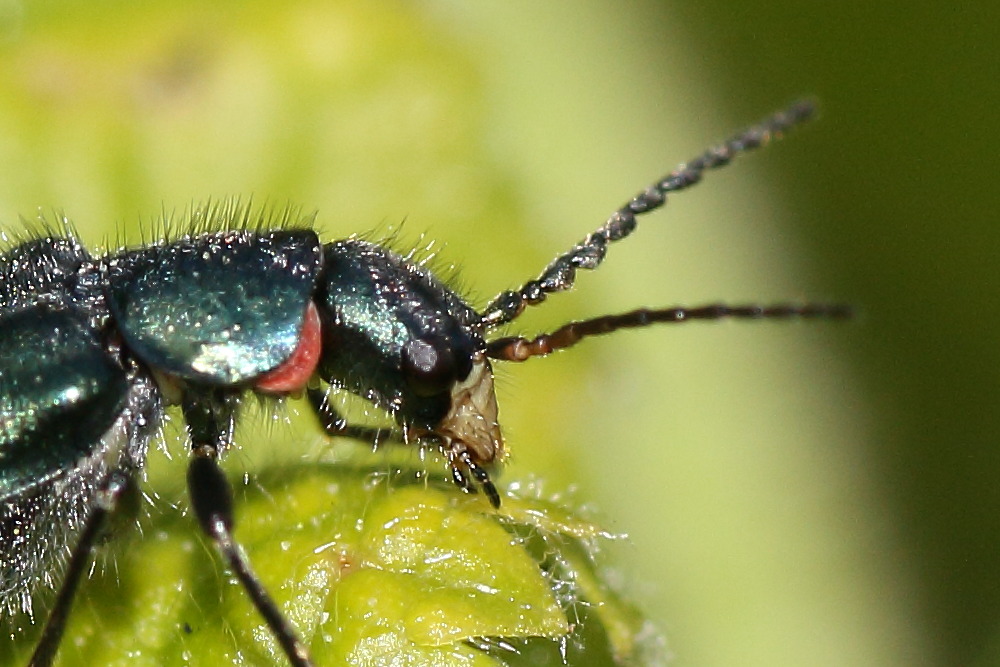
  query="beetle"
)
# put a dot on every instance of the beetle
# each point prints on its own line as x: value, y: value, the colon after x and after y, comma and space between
x: 92, y: 348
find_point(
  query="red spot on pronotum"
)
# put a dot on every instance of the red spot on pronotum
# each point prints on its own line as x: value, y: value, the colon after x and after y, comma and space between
x: 294, y: 372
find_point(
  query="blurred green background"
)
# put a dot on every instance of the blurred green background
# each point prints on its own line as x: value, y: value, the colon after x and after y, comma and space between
x: 821, y: 494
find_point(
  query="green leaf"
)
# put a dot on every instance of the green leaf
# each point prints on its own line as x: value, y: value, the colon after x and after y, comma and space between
x: 366, y: 565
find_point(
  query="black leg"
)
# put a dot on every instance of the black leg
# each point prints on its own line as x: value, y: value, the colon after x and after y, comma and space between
x: 210, y: 415
x: 462, y: 464
x: 336, y: 425
x: 212, y: 499
x: 104, y: 504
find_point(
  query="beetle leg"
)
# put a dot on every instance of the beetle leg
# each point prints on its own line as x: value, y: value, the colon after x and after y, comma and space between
x: 210, y: 416
x: 117, y: 484
x: 335, y: 425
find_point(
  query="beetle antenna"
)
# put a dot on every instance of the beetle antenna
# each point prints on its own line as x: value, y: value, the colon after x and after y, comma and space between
x: 517, y: 348
x: 589, y: 253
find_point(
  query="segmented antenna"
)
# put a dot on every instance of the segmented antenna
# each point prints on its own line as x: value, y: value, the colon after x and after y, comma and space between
x: 589, y: 253
x: 518, y: 348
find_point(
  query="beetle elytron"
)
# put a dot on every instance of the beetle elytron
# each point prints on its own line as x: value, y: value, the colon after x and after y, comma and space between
x: 92, y: 348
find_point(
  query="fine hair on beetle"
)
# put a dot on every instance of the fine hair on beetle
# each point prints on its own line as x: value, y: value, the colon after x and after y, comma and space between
x: 93, y: 347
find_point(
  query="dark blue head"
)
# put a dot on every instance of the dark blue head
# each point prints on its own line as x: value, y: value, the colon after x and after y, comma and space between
x: 397, y: 336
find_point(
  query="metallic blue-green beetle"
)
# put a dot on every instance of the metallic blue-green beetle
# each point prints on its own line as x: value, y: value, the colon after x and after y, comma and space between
x: 92, y: 348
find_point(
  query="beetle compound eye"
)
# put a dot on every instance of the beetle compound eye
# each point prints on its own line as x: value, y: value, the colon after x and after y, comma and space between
x: 429, y: 366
